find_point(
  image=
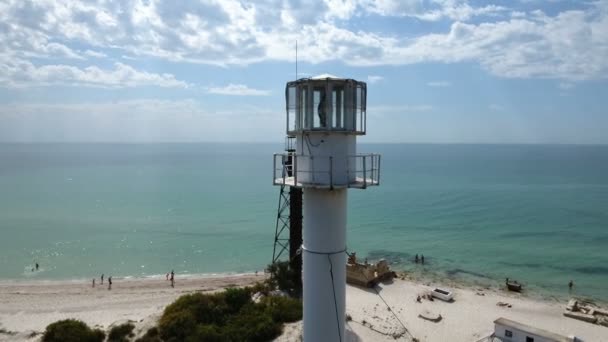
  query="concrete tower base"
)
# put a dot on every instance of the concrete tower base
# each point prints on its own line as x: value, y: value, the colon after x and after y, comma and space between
x: 323, y: 256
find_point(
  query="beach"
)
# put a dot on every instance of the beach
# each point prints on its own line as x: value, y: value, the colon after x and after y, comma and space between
x: 27, y: 307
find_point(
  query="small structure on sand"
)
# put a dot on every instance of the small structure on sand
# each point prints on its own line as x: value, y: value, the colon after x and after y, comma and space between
x: 429, y: 316
x: 586, y: 312
x: 442, y: 294
x: 507, y: 330
x: 366, y: 274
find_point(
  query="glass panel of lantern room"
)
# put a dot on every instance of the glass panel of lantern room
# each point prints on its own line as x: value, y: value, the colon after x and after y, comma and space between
x: 337, y: 100
x: 320, y: 107
x: 363, y: 122
x: 302, y: 106
x: 349, y: 107
x: 292, y: 123
x: 358, y: 107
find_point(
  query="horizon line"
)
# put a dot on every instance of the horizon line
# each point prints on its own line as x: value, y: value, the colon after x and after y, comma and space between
x: 282, y: 142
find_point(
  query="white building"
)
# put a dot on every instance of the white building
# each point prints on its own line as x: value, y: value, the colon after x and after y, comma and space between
x: 507, y: 330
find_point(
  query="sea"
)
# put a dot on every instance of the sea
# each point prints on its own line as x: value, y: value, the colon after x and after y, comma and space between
x: 478, y: 213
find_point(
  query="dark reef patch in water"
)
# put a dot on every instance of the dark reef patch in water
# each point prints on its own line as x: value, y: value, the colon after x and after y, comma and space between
x: 592, y: 270
x: 560, y: 235
x: 600, y: 270
x: 393, y: 257
x: 456, y: 271
x: 524, y: 264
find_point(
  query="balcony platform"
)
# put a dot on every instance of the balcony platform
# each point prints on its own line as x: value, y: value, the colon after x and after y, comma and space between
x: 358, y: 183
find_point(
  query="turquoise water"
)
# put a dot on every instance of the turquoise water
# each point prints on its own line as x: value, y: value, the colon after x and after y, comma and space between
x: 479, y: 213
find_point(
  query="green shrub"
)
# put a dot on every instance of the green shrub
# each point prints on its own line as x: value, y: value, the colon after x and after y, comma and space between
x: 121, y: 333
x: 254, y: 323
x: 179, y: 325
x: 208, y: 309
x: 284, y: 278
x: 236, y: 298
x: 208, y: 333
x: 71, y: 330
x: 284, y: 309
x: 150, y: 336
x: 262, y: 287
x: 226, y: 316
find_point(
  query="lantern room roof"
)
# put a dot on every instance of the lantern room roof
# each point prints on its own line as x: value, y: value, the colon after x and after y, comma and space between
x: 326, y: 76
x: 323, y: 77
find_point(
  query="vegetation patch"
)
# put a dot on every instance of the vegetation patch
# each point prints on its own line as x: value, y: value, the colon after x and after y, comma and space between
x: 284, y: 278
x: 7, y: 332
x: 121, y: 333
x: 71, y: 330
x: 150, y: 336
x: 227, y: 316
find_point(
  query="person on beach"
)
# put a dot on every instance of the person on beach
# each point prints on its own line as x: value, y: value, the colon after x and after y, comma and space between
x: 416, y: 258
x: 102, y: 279
x: 570, y: 284
x: 172, y: 279
x: 109, y: 282
x: 93, y: 282
x: 167, y: 276
x: 37, y: 266
x: 422, y: 259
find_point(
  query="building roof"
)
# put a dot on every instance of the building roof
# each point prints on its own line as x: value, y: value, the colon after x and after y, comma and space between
x: 326, y: 76
x: 532, y: 330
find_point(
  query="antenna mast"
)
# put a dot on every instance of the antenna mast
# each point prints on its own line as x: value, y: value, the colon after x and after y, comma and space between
x: 296, y: 59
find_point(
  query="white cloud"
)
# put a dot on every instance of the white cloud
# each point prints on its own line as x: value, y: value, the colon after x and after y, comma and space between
x: 95, y: 54
x: 374, y: 79
x: 237, y: 90
x: 438, y: 84
x: 570, y: 45
x: 430, y: 10
x: 15, y: 74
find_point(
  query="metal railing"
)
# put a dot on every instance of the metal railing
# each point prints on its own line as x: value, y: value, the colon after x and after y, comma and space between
x: 366, y: 169
x: 355, y: 171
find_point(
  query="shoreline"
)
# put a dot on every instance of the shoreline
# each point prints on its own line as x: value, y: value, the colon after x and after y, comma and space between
x: 426, y: 275
x: 531, y: 290
x: 29, y: 307
x: 34, y: 281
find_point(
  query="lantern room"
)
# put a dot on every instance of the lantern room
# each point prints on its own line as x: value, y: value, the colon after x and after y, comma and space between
x: 326, y: 103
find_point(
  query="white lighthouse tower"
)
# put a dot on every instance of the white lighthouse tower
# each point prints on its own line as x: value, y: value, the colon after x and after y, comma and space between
x: 325, y: 114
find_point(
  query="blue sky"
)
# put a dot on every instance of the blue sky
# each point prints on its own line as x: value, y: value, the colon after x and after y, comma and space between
x: 438, y: 71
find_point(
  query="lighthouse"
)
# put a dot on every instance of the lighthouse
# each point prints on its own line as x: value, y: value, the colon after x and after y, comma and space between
x: 325, y: 114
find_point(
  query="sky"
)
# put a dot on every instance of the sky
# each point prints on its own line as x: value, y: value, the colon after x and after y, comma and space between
x: 437, y: 71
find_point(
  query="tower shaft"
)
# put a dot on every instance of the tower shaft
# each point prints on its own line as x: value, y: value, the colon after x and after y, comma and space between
x: 295, y: 236
x: 324, y: 264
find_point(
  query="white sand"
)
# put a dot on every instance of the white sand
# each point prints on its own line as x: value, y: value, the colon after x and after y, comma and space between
x: 31, y: 306
x: 469, y: 318
x: 27, y: 307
